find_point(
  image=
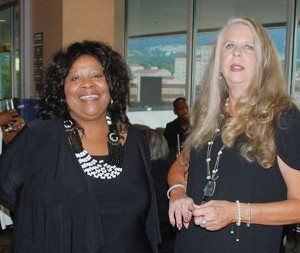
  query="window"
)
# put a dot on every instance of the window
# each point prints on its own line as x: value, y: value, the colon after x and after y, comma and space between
x: 9, y: 53
x: 156, y: 54
x: 173, y: 40
x: 213, y: 14
x: 295, y: 87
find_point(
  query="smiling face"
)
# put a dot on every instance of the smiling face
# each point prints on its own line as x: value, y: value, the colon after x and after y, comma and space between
x: 238, y: 59
x: 86, y: 89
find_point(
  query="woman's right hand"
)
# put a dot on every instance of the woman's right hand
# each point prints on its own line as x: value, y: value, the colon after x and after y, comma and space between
x: 180, y: 208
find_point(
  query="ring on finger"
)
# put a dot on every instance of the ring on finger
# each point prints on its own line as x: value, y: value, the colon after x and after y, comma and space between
x: 203, y: 221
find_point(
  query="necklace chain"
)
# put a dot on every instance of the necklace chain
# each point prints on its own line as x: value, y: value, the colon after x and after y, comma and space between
x: 211, y: 174
x: 108, y: 168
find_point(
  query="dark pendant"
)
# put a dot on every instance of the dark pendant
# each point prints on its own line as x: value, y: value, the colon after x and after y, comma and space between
x: 208, y: 190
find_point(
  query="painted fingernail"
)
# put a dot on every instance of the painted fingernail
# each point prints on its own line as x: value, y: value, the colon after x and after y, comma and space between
x: 179, y: 226
x: 186, y: 225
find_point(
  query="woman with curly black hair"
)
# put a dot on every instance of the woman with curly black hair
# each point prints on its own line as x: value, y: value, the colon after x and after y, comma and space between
x: 79, y: 180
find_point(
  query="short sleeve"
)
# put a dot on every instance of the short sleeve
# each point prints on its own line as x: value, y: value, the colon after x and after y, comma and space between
x: 287, y: 137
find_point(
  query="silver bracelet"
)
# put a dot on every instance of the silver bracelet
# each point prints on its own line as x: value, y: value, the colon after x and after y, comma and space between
x: 239, y: 213
x: 173, y: 187
x: 249, y: 215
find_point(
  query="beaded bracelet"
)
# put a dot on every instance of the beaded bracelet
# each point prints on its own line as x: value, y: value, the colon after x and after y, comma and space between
x: 239, y: 213
x: 249, y: 215
x: 173, y: 187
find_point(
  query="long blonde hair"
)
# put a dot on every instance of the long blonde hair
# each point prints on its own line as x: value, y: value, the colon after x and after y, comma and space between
x: 256, y: 109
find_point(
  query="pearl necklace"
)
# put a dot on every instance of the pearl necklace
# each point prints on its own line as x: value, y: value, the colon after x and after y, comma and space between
x: 108, y: 168
x: 211, y: 177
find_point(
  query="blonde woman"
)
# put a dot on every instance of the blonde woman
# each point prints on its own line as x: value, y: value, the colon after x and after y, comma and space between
x: 237, y: 182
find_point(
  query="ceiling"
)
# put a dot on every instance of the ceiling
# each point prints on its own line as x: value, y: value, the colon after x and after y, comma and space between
x: 170, y: 16
x: 7, y: 1
x: 148, y: 17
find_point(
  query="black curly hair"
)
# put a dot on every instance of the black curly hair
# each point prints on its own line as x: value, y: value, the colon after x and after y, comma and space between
x: 116, y: 72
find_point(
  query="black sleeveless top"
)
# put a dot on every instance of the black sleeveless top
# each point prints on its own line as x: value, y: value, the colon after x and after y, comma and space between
x: 246, y: 182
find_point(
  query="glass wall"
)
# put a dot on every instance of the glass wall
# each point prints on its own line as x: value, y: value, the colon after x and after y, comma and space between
x: 295, y: 87
x: 156, y: 54
x: 169, y: 44
x: 9, y: 52
x: 213, y: 14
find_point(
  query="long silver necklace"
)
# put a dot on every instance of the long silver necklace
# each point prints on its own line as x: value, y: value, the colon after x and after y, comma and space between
x: 108, y: 168
x: 211, y: 175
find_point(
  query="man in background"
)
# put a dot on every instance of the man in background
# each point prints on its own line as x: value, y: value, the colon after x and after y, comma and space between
x: 176, y: 130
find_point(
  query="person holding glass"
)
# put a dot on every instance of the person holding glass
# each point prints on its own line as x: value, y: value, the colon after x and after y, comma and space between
x: 176, y: 131
x: 237, y: 181
x: 8, y: 116
x: 159, y: 150
x: 79, y: 178
x: 11, y: 123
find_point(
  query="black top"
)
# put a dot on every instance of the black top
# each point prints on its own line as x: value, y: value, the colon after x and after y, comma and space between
x: 126, y: 205
x: 159, y: 171
x: 246, y: 182
x: 171, y: 131
x: 56, y: 206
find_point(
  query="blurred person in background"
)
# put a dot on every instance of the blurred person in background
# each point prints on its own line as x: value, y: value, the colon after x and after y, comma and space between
x: 176, y: 131
x: 6, y: 118
x: 159, y: 151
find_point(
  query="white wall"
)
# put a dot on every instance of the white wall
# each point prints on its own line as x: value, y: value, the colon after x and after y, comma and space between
x: 152, y: 119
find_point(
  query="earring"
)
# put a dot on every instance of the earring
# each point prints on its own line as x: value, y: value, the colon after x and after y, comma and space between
x: 108, y: 120
x: 111, y: 102
x: 220, y: 76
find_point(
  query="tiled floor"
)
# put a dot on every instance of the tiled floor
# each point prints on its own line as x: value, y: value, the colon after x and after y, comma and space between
x: 292, y: 244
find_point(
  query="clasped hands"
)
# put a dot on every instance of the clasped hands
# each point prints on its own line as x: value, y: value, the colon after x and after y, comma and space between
x: 213, y: 215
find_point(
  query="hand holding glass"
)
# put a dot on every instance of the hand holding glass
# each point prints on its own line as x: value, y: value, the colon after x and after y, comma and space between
x: 7, y: 105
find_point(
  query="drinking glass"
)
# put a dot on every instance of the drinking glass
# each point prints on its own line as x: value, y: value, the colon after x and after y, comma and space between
x: 178, y: 146
x: 8, y: 104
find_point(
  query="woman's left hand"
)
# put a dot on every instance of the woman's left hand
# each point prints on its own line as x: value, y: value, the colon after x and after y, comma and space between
x: 180, y: 210
x: 215, y: 214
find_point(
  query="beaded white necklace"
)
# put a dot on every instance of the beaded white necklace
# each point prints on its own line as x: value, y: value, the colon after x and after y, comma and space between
x: 108, y: 168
